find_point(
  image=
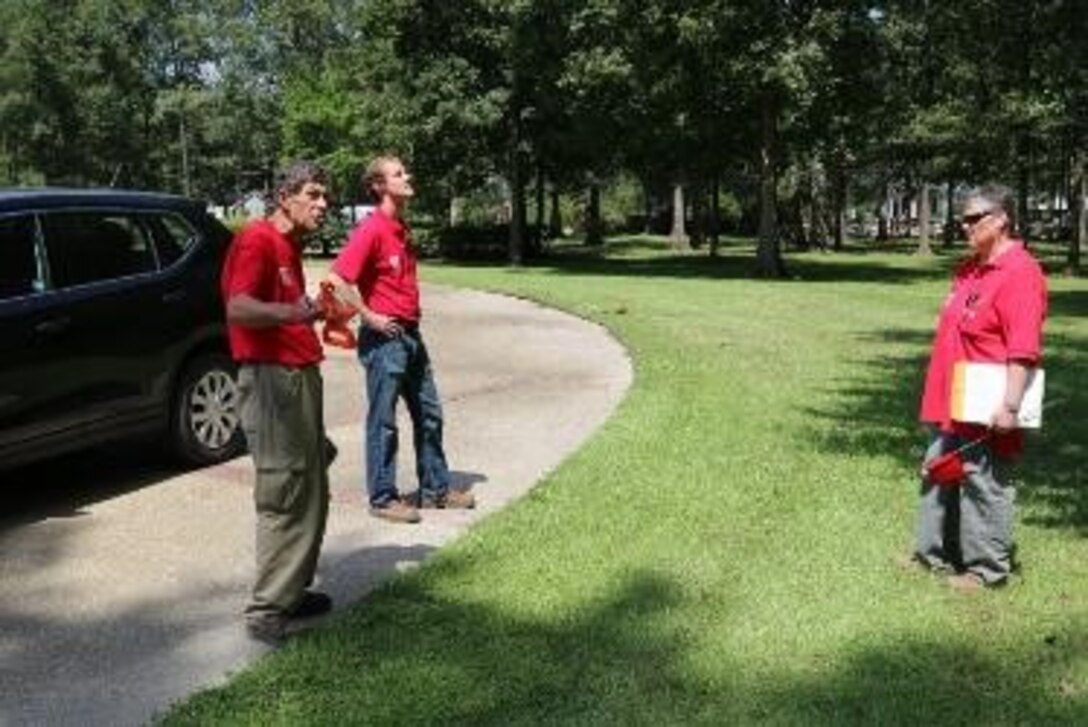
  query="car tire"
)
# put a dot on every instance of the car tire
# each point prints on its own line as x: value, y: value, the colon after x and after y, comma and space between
x: 205, y: 424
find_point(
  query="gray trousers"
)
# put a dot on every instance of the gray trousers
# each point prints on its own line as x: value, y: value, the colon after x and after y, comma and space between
x: 283, y: 421
x: 967, y: 527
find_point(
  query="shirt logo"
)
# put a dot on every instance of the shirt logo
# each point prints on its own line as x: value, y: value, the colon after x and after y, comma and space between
x: 287, y: 277
x: 394, y: 262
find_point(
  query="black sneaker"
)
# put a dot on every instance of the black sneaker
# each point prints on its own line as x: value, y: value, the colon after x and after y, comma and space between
x: 313, y: 603
x: 270, y: 630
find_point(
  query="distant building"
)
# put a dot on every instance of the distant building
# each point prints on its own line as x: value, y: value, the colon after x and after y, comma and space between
x: 254, y: 206
x: 355, y: 213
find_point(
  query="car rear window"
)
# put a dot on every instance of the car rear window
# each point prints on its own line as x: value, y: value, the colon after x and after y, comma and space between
x: 86, y: 247
x: 20, y: 273
x: 173, y: 237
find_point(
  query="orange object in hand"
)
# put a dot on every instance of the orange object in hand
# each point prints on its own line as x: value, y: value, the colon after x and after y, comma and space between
x: 336, y: 313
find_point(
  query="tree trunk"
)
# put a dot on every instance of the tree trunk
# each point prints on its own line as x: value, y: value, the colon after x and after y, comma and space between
x: 881, y: 212
x: 538, y: 227
x: 715, y: 214
x: 838, y: 211
x: 517, y: 206
x: 1023, y: 215
x: 594, y: 233
x: 698, y: 213
x: 1066, y: 192
x: 895, y: 216
x: 555, y: 221
x: 678, y: 236
x: 924, y: 248
x: 457, y: 211
x: 183, y: 138
x: 768, y: 253
x: 950, y: 214
x: 517, y: 217
x: 647, y: 208
x: 1080, y: 212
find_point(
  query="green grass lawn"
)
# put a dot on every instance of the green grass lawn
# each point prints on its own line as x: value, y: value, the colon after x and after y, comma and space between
x: 727, y: 549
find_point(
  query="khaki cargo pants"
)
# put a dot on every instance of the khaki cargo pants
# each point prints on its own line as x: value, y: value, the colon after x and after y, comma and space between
x: 283, y: 421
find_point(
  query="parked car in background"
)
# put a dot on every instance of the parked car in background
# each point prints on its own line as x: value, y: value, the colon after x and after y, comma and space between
x: 112, y: 326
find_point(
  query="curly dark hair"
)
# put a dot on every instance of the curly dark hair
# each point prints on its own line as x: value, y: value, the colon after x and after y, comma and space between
x: 294, y: 176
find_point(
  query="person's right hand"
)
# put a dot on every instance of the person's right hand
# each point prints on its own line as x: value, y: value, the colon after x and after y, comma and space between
x: 383, y: 324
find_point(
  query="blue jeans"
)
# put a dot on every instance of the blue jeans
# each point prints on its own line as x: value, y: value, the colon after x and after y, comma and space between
x: 400, y: 367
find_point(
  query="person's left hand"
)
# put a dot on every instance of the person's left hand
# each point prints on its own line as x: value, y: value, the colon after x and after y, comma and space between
x: 1004, y: 420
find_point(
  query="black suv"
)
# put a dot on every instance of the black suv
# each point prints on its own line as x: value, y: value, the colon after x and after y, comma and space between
x: 111, y: 325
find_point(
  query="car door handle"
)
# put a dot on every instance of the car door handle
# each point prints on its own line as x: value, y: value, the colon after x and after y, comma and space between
x: 53, y: 327
x: 174, y: 296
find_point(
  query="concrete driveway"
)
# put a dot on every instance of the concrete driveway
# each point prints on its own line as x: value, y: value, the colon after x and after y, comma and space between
x: 122, y: 581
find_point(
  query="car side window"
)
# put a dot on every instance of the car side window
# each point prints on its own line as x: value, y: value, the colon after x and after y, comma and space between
x: 87, y: 247
x: 20, y: 273
x: 173, y: 237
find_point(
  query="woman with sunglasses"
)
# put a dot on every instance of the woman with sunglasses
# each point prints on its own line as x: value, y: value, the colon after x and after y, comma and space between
x: 993, y: 314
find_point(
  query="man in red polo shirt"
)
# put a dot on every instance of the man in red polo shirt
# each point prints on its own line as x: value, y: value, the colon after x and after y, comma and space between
x: 376, y: 273
x: 270, y: 324
x: 993, y: 314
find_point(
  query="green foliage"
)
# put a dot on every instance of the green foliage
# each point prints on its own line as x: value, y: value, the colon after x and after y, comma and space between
x: 622, y: 201
x: 865, y: 100
x: 471, y: 242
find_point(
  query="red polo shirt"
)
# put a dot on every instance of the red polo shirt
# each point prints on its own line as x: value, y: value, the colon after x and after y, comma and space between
x: 264, y: 264
x: 994, y: 314
x: 379, y: 259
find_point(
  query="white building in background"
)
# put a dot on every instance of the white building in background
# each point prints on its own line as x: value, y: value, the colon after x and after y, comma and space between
x: 355, y: 213
x: 254, y: 206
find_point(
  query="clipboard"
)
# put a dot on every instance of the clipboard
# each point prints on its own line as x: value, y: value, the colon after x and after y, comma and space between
x: 979, y: 388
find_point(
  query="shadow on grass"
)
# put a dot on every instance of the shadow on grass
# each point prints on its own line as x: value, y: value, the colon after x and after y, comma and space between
x: 736, y: 266
x: 1070, y: 303
x: 650, y: 257
x: 1054, y: 472
x: 412, y: 657
x: 878, y: 413
x: 942, y: 683
x: 878, y: 416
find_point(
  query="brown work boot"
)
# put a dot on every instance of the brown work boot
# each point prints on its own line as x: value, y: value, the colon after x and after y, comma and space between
x: 397, y: 511
x: 451, y: 500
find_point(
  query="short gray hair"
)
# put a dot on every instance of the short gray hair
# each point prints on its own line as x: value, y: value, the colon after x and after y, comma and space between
x: 997, y: 197
x: 294, y: 176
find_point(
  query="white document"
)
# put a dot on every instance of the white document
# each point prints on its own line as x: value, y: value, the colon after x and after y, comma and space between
x: 979, y: 388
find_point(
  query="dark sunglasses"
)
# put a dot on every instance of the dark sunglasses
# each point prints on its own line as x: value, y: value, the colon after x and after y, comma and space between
x: 972, y: 220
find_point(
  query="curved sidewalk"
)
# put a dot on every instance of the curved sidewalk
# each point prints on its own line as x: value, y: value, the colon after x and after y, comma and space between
x: 110, y: 613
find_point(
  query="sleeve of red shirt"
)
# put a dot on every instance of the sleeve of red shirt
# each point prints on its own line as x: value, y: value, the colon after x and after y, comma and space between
x: 247, y: 269
x: 353, y: 258
x: 1022, y: 308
